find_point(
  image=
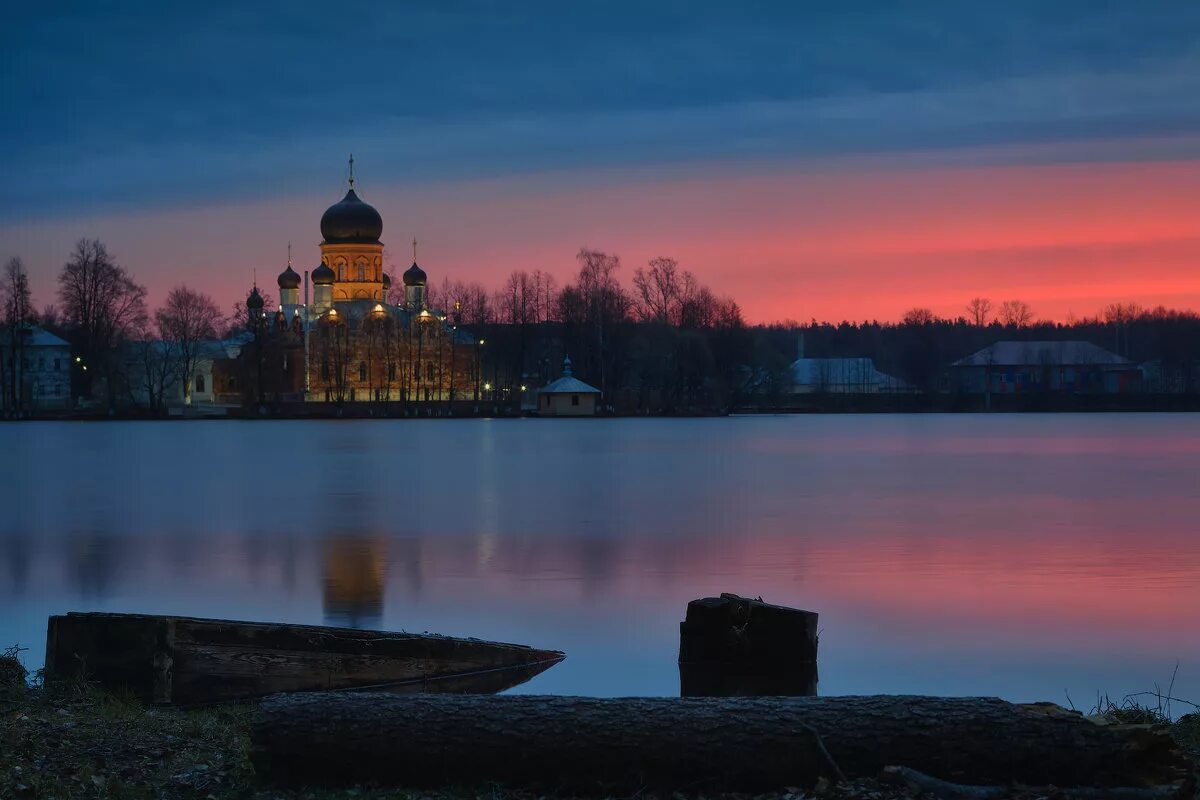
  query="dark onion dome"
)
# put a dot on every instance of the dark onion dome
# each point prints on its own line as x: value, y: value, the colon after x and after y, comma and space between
x: 414, y: 276
x: 255, y: 299
x: 387, y: 281
x: 289, y: 279
x: 351, y: 221
x: 323, y: 275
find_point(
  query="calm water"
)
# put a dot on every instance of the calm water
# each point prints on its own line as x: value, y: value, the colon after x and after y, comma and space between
x: 1023, y: 556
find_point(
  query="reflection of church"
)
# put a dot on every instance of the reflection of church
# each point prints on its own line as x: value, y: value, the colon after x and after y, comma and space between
x: 351, y: 341
x: 355, y: 574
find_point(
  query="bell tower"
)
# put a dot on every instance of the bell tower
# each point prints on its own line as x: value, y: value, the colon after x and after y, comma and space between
x: 350, y: 230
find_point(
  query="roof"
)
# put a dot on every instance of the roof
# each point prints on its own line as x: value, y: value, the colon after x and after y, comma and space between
x: 568, y: 384
x: 40, y: 337
x: 817, y: 371
x: 1016, y: 354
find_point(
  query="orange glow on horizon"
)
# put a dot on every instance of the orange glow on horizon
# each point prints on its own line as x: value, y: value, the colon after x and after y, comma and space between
x: 802, y: 241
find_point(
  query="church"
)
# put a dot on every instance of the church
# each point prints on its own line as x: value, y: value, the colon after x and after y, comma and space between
x: 340, y: 334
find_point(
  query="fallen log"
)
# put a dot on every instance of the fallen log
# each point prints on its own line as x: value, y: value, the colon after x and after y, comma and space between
x: 693, y: 744
x: 903, y: 776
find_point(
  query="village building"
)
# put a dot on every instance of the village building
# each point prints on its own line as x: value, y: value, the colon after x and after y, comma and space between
x: 1068, y: 367
x: 841, y: 376
x: 567, y: 396
x: 35, y: 375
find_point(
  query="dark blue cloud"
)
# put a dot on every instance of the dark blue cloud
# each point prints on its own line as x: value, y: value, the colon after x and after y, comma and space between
x: 135, y: 103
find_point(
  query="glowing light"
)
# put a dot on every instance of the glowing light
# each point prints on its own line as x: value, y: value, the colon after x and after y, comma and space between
x: 487, y: 386
x: 481, y: 341
x: 78, y: 359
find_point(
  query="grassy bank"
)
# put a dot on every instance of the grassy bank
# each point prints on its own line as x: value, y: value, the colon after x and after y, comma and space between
x: 73, y: 741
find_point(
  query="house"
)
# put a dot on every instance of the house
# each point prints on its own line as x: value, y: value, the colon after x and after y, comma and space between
x: 841, y: 376
x: 152, y: 370
x: 568, y: 396
x: 1068, y: 367
x: 41, y: 367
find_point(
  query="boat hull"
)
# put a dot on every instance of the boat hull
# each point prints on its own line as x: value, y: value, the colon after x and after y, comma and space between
x: 190, y: 661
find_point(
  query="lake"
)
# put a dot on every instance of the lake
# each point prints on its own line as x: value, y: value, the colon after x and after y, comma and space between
x: 1027, y: 556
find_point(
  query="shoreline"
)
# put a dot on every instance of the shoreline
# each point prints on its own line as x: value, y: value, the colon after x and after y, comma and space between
x: 75, y: 741
x: 801, y: 405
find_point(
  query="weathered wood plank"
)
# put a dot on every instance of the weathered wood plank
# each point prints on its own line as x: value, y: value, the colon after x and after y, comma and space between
x: 130, y: 653
x: 187, y: 660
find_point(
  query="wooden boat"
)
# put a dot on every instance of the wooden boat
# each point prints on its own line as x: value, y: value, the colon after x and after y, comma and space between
x: 188, y: 661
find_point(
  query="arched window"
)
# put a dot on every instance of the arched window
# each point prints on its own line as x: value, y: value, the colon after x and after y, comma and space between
x: 362, y: 370
x: 362, y: 271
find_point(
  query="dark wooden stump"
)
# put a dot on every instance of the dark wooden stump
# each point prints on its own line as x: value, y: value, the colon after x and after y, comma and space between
x: 731, y: 645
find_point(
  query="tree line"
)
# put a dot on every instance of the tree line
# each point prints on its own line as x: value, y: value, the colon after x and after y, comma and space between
x: 101, y: 312
x: 663, y: 342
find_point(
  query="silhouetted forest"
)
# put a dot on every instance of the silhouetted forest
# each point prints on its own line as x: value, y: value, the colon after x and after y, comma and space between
x: 662, y: 343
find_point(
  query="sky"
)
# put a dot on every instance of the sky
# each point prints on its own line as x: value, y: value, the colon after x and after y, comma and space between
x: 811, y: 160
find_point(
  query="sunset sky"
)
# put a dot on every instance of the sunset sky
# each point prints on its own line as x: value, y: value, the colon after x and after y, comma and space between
x: 809, y: 160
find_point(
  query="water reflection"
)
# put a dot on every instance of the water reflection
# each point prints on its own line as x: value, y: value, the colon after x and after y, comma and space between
x: 1017, y: 556
x: 706, y: 680
x: 355, y: 570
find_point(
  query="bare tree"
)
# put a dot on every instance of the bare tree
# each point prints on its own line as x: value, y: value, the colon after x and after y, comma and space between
x: 16, y: 314
x: 467, y: 303
x: 1016, y: 314
x: 185, y: 322
x: 101, y: 304
x: 978, y: 310
x: 918, y: 316
x: 657, y: 291
x: 601, y: 303
x: 155, y: 367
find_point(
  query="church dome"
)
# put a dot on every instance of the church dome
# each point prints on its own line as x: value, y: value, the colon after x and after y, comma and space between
x: 387, y: 281
x: 289, y: 279
x: 414, y: 276
x: 351, y: 221
x: 323, y: 276
x: 255, y: 299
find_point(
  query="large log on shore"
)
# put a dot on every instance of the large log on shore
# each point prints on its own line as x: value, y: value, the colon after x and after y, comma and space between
x: 742, y: 744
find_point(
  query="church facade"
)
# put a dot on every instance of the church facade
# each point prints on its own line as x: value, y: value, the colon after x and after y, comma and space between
x: 340, y: 335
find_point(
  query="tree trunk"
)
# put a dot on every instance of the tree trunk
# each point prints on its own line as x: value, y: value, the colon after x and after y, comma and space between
x: 744, y: 744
